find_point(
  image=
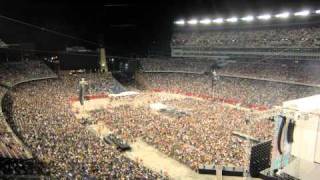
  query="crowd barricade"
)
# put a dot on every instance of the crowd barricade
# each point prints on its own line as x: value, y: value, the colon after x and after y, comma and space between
x: 89, y: 97
x: 231, y: 101
x: 258, y: 107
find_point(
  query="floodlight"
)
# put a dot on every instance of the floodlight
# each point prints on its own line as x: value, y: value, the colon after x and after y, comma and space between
x: 283, y: 15
x: 218, y: 20
x: 248, y: 18
x: 205, y: 21
x: 302, y: 13
x: 264, y: 17
x: 180, y: 22
x: 193, y: 22
x: 317, y: 11
x: 232, y: 19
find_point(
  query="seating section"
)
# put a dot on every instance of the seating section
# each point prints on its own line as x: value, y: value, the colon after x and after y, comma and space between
x: 302, y: 71
x: 273, y: 37
x: 176, y: 65
x: 12, y: 153
x: 12, y: 73
x: 281, y: 70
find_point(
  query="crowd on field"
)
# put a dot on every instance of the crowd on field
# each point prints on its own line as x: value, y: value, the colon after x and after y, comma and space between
x: 202, y: 136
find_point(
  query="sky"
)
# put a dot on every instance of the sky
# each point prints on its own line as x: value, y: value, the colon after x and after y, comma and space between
x: 124, y: 25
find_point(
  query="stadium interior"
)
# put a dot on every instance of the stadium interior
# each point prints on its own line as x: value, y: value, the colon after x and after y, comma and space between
x: 215, y: 96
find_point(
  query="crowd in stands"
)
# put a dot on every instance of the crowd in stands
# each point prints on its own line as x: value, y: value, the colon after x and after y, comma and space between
x: 203, y: 137
x: 9, y: 148
x: 283, y: 70
x: 11, y: 152
x: 176, y: 65
x: 42, y: 116
x: 275, y: 37
x: 271, y: 69
x: 12, y: 73
x: 245, y: 91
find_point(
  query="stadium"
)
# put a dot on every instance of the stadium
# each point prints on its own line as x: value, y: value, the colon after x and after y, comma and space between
x: 224, y: 97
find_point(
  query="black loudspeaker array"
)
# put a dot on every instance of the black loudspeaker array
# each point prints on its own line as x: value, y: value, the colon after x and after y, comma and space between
x: 226, y: 171
x: 260, y: 158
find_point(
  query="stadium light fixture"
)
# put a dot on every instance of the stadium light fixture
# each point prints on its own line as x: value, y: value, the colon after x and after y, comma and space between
x: 232, y: 20
x: 283, y: 15
x: 264, y: 17
x: 302, y: 13
x: 205, y: 21
x: 317, y: 11
x: 180, y: 22
x: 248, y: 18
x: 193, y: 22
x: 218, y: 20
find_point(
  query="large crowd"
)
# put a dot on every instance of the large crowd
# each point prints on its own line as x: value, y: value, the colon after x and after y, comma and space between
x: 12, y: 73
x: 12, y: 153
x: 283, y: 70
x: 245, y: 91
x: 175, y: 65
x: 42, y: 116
x: 202, y: 137
x: 271, y: 69
x: 275, y: 37
x: 9, y: 147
